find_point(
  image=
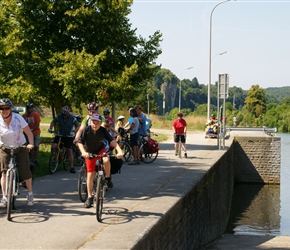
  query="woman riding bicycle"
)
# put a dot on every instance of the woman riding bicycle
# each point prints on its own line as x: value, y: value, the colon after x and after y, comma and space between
x: 12, y: 126
x: 91, y: 141
x: 179, y: 129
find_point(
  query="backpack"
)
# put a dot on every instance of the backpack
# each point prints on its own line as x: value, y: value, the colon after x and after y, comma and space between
x: 116, y: 165
x: 152, y: 146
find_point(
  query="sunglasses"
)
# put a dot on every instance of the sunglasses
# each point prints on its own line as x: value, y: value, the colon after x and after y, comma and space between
x: 4, y: 108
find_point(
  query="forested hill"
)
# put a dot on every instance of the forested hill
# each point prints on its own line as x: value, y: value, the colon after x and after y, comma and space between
x: 279, y: 92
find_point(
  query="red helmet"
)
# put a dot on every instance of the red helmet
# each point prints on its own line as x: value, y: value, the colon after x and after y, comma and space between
x: 179, y: 114
x: 92, y: 106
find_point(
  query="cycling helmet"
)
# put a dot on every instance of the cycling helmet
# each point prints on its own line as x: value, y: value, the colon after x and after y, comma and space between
x: 78, y: 117
x: 92, y: 106
x: 179, y: 114
x: 121, y: 117
x: 29, y: 105
x: 65, y: 110
x: 6, y: 102
x: 106, y: 111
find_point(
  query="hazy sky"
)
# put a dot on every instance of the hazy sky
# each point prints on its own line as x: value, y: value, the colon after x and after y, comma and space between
x: 255, y: 34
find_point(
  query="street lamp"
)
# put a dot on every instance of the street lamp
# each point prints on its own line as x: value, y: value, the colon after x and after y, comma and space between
x: 179, y: 106
x: 209, y: 67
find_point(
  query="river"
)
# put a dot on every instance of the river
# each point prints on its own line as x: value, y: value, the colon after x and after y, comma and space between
x: 264, y: 209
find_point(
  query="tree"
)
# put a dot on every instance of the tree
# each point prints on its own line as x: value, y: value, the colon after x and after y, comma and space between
x: 255, y: 101
x: 74, y: 51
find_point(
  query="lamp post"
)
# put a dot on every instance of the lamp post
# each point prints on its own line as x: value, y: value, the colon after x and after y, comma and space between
x: 179, y: 106
x: 209, y: 67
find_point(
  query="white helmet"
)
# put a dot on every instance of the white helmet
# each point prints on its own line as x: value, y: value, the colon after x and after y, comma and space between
x: 121, y: 117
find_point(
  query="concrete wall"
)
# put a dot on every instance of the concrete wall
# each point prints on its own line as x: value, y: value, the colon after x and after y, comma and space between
x: 200, y: 216
x: 257, y: 159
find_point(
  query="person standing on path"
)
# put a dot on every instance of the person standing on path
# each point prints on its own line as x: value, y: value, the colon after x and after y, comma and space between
x: 179, y: 126
x: 33, y: 120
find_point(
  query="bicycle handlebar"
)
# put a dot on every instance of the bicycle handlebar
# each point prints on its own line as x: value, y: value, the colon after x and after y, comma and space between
x: 91, y: 155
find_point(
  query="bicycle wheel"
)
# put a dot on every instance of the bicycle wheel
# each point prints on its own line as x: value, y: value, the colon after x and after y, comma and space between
x: 65, y: 161
x: 10, y: 194
x: 145, y: 156
x: 127, y: 151
x: 179, y: 150
x: 99, y: 198
x: 53, y: 161
x: 82, y: 184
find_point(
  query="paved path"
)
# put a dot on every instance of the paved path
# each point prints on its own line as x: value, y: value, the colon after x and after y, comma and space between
x: 140, y: 197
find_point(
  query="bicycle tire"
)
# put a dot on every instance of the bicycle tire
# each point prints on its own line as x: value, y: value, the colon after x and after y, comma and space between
x: 82, y: 184
x: 179, y: 150
x: 145, y: 156
x: 127, y: 151
x: 65, y: 160
x: 53, y: 161
x: 10, y: 195
x: 99, y: 198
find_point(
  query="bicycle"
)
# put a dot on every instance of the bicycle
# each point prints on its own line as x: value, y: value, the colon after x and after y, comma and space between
x: 146, y: 155
x: 99, y: 187
x: 12, y: 181
x: 57, y: 155
x: 125, y: 145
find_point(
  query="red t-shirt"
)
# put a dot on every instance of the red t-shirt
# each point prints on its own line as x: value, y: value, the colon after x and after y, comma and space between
x: 179, y: 125
x: 32, y: 119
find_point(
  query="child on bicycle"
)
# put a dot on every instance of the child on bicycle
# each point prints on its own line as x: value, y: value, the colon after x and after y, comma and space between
x: 91, y: 141
x: 179, y: 129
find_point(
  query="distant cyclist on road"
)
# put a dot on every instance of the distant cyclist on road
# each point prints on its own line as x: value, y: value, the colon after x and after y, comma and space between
x: 67, y: 125
x: 179, y: 127
x: 91, y: 141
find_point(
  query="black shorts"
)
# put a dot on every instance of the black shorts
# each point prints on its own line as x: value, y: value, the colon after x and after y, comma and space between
x: 67, y: 141
x: 134, y: 139
x: 177, y: 136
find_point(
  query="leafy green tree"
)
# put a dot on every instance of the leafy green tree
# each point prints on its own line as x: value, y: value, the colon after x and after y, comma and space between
x: 74, y: 51
x: 255, y: 101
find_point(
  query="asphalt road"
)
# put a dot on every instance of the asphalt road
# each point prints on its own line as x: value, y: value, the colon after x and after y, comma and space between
x: 58, y: 219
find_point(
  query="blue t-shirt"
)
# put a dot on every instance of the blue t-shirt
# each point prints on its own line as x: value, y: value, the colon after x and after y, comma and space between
x: 142, y: 125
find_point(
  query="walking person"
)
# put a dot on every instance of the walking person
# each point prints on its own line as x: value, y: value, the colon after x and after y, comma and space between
x: 12, y: 126
x: 91, y: 141
x: 67, y: 125
x: 33, y: 120
x: 179, y: 127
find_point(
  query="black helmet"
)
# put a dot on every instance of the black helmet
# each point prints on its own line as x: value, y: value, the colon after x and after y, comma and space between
x: 6, y: 102
x: 65, y: 110
x: 29, y: 105
x: 106, y: 111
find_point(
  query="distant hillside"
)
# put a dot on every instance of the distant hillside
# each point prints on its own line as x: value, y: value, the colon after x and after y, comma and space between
x: 279, y: 93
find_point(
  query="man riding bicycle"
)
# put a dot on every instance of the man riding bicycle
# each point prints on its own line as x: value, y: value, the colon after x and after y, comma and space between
x: 179, y: 129
x: 91, y: 141
x: 67, y: 125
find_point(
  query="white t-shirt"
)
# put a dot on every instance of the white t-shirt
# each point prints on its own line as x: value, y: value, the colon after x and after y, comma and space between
x: 13, y: 136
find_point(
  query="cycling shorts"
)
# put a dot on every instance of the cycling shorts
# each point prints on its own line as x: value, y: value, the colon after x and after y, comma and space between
x: 68, y: 141
x: 177, y: 136
x: 91, y: 162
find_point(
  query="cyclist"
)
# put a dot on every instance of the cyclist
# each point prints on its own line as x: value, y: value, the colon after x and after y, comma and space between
x: 67, y: 125
x: 33, y: 120
x: 12, y: 126
x: 109, y: 123
x: 179, y: 129
x: 142, y: 122
x: 91, y: 141
x: 119, y: 126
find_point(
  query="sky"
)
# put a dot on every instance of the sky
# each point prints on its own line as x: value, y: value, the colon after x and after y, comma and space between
x: 254, y: 34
